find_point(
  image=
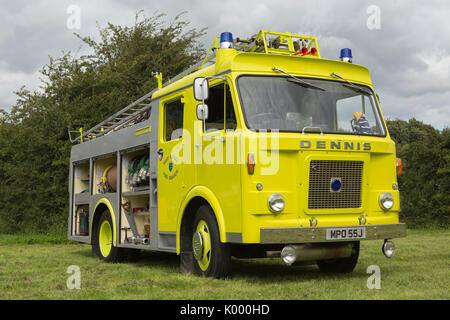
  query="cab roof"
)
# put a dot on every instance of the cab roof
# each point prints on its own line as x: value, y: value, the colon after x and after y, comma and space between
x: 258, y: 63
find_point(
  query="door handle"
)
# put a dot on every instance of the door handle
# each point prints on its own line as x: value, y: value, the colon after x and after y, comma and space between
x: 160, y: 153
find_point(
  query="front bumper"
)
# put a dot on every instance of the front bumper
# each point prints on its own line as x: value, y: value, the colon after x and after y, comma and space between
x: 318, y: 234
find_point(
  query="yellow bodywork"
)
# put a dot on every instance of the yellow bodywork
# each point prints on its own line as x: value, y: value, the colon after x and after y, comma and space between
x: 231, y: 192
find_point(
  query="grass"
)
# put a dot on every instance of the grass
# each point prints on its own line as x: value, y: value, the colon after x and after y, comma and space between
x: 34, y: 267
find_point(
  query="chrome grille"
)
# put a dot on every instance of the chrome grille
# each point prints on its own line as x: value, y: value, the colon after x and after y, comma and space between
x: 323, y: 172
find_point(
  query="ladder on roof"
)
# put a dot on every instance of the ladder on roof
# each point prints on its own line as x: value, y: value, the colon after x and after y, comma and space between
x: 120, y: 119
x: 136, y: 109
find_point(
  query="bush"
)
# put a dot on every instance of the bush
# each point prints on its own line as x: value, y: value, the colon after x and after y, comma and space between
x: 425, y: 183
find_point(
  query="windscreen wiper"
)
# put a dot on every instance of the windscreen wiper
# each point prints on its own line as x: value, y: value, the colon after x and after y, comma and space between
x: 351, y: 85
x: 298, y: 80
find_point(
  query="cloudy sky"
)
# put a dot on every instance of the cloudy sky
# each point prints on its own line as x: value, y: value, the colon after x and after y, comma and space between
x: 405, y: 44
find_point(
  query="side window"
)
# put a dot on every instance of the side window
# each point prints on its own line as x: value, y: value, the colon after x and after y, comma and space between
x: 345, y: 109
x: 230, y: 120
x: 221, y: 112
x: 368, y: 106
x: 173, y: 120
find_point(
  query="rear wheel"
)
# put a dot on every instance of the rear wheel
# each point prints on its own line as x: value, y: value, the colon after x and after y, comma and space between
x: 103, y: 245
x: 343, y: 265
x: 212, y: 258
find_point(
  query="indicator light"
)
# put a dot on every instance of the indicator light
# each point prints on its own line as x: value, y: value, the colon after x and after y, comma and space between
x: 251, y: 163
x: 399, y: 166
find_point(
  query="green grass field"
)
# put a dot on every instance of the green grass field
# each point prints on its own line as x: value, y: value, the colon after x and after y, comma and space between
x: 34, y: 267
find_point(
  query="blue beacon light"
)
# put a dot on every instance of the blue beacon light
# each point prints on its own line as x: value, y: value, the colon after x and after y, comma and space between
x: 226, y: 40
x: 346, y: 55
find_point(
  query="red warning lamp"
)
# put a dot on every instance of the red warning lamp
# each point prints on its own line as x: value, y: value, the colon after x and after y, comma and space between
x: 304, y: 51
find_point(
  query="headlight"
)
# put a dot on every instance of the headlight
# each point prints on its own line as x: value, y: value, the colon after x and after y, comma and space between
x: 388, y: 248
x: 288, y: 255
x: 386, y: 201
x: 276, y: 202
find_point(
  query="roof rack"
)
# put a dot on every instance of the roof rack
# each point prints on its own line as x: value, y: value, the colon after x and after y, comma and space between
x: 279, y: 43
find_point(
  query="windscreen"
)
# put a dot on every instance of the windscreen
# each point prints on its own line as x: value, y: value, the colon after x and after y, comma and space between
x: 304, y: 105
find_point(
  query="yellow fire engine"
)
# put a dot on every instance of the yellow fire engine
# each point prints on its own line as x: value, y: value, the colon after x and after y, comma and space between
x: 263, y: 149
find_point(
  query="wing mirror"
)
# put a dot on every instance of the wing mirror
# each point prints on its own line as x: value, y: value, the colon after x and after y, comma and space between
x: 201, y: 89
x: 202, y: 112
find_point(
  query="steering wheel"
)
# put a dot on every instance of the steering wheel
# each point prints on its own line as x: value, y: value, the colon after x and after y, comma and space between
x: 352, y: 124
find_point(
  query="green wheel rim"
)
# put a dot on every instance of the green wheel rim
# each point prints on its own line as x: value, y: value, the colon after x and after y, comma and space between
x: 105, y: 238
x: 205, y: 260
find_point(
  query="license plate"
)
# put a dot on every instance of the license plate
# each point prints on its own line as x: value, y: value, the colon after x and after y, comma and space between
x: 346, y: 233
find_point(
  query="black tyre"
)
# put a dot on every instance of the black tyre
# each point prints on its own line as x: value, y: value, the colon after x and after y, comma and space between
x: 211, y: 258
x: 103, y: 246
x: 343, y: 265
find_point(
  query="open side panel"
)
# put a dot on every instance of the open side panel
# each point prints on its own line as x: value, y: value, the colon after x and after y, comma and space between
x: 80, y: 178
x: 105, y: 174
x: 135, y: 203
x: 139, y: 199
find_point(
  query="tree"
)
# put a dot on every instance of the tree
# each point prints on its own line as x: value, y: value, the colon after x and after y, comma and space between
x: 425, y: 183
x: 35, y: 147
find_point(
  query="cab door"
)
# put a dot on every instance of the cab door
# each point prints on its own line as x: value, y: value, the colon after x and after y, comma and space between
x: 219, y: 169
x: 170, y: 164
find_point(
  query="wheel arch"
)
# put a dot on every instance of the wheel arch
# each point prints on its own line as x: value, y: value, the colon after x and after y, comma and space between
x: 197, y: 197
x: 100, y: 207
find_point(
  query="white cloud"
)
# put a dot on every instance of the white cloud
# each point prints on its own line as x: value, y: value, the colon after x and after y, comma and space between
x: 11, y: 82
x: 409, y: 57
x: 428, y: 108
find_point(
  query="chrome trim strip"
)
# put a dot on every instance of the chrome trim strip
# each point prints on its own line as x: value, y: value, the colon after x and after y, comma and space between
x: 318, y: 234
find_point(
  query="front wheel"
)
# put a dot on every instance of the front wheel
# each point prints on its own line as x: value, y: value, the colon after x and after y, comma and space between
x: 212, y: 258
x: 342, y: 265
